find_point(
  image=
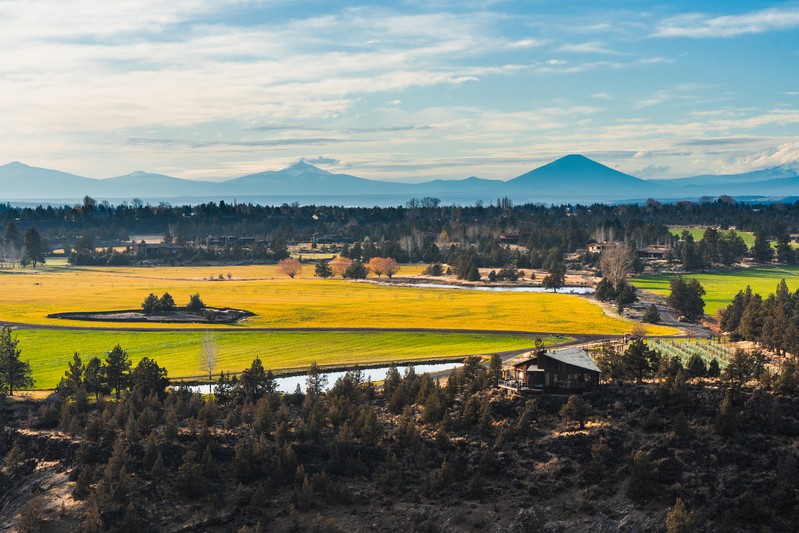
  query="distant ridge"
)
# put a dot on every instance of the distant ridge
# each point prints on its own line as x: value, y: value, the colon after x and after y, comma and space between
x: 573, y: 178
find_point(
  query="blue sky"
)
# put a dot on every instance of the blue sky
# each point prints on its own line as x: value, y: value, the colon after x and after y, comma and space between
x: 404, y: 91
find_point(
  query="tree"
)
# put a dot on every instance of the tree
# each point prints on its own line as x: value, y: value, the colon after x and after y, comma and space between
x: 376, y: 266
x: 761, y: 249
x: 356, y: 270
x: 196, y: 304
x: 340, y: 265
x: 555, y: 279
x: 696, y: 366
x: 73, y: 377
x: 209, y: 355
x: 616, y: 263
x: 679, y: 520
x: 117, y: 369
x: 166, y: 304
x: 473, y: 274
x: 148, y: 378
x: 741, y: 368
x: 94, y: 378
x: 784, y: 250
x: 390, y: 267
x: 150, y: 305
x: 255, y: 381
x: 15, y: 374
x: 12, y: 236
x: 576, y: 410
x: 713, y: 368
x: 290, y: 266
x: 33, y: 249
x: 323, y: 270
x: 316, y: 380
x: 640, y: 361
x: 651, y: 316
x: 686, y: 297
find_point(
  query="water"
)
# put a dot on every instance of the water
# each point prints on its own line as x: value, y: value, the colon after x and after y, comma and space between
x: 562, y: 290
x: 289, y: 383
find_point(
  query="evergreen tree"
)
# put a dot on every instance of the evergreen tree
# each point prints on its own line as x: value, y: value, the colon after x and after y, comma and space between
x: 761, y: 249
x: 73, y: 377
x: 652, y: 315
x: 94, y: 378
x: 323, y: 269
x: 149, y: 378
x: 686, y: 297
x: 117, y: 369
x: 576, y: 410
x: 15, y: 374
x: 315, y: 381
x: 34, y: 248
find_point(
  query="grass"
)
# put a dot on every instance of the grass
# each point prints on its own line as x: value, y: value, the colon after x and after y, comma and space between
x: 697, y: 233
x: 747, y: 236
x: 721, y: 287
x: 49, y: 351
x: 27, y: 296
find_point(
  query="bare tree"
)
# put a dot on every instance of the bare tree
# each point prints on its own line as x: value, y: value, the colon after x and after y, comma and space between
x: 340, y: 265
x: 209, y: 356
x: 290, y: 267
x: 377, y: 266
x: 616, y: 263
x: 390, y: 267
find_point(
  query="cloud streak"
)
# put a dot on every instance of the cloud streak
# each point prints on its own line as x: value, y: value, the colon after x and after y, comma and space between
x: 697, y: 25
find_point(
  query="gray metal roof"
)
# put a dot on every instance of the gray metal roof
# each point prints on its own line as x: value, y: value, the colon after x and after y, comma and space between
x: 574, y: 356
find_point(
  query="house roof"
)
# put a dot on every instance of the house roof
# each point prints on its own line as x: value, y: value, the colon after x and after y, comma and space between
x: 575, y: 357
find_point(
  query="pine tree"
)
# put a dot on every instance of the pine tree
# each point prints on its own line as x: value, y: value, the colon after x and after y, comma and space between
x: 15, y: 374
x: 117, y: 369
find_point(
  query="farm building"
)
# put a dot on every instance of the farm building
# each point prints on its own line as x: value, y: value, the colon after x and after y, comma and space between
x: 144, y: 250
x: 566, y: 371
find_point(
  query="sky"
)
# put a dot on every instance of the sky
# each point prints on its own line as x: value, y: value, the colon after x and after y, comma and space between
x: 401, y: 90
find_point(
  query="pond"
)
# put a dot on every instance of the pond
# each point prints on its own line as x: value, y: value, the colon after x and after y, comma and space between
x: 289, y: 383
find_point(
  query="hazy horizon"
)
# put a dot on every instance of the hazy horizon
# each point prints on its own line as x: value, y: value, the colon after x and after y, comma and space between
x: 409, y: 92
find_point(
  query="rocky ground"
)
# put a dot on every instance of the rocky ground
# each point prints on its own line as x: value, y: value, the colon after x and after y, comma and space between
x: 492, y: 463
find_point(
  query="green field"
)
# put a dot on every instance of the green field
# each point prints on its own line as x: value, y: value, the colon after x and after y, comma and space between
x: 722, y: 287
x: 49, y: 351
x: 698, y: 233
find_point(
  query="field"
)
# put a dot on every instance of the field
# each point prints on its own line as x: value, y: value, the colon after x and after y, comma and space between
x: 476, y: 321
x: 49, y: 351
x: 27, y: 297
x: 698, y: 233
x: 747, y: 236
x: 722, y: 287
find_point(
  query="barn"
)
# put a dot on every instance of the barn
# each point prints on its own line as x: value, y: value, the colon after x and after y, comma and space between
x: 565, y: 371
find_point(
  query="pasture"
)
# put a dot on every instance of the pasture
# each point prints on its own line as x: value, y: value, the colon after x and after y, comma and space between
x: 49, y: 351
x: 28, y: 296
x: 722, y: 287
x: 697, y: 233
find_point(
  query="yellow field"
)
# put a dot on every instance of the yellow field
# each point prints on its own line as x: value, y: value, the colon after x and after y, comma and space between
x: 27, y: 296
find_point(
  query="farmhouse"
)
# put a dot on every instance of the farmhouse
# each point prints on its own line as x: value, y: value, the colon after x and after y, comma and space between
x: 566, y: 371
x: 144, y: 250
x: 654, y: 251
x: 598, y: 247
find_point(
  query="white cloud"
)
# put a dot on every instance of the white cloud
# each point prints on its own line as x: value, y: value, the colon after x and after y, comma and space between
x: 699, y: 25
x: 590, y: 47
x: 525, y: 43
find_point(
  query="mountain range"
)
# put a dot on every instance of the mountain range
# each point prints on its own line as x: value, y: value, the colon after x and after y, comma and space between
x: 570, y: 179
